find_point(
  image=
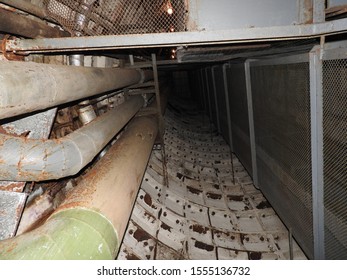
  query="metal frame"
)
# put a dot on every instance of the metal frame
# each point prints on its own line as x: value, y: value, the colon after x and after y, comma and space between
x: 226, y: 92
x: 251, y: 123
x: 215, y: 96
x: 43, y: 45
x: 208, y: 94
x: 316, y: 92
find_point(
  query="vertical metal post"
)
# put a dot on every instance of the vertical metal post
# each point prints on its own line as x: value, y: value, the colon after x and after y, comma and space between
x: 318, y: 11
x: 156, y: 84
x: 131, y: 59
x: 251, y: 123
x: 227, y: 104
x: 208, y: 94
x: 201, y: 89
x: 215, y: 96
x: 316, y: 96
x: 160, y: 122
x: 305, y: 11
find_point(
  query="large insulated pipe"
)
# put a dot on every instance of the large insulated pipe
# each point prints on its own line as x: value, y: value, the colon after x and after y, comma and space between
x: 27, y: 87
x: 23, y: 159
x: 91, y: 222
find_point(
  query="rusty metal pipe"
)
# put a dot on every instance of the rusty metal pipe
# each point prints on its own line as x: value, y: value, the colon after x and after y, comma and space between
x: 23, y: 159
x: 91, y: 222
x: 26, y: 6
x: 27, y: 87
x: 21, y: 25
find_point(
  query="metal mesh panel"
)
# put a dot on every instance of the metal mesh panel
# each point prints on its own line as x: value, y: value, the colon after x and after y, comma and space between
x: 106, y: 17
x: 335, y: 157
x: 281, y: 104
x: 239, y: 114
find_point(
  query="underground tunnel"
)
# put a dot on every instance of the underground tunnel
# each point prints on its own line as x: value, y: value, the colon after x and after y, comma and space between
x: 173, y: 130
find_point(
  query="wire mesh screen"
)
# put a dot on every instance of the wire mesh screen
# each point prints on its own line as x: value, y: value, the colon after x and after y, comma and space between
x: 239, y: 114
x: 106, y: 17
x: 281, y: 104
x: 335, y: 157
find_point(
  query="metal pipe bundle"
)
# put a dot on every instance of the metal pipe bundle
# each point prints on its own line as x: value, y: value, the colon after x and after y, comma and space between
x: 27, y: 87
x: 91, y: 222
x: 23, y: 159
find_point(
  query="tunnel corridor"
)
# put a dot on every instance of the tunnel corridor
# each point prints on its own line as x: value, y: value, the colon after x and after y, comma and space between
x: 173, y: 129
x: 207, y: 208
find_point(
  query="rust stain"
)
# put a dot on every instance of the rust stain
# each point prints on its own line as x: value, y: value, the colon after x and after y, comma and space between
x: 13, y: 187
x: 254, y: 255
x: 214, y: 196
x: 132, y: 257
x: 221, y: 233
x: 235, y: 197
x: 165, y: 227
x: 193, y: 190
x: 148, y: 200
x: 204, y: 246
x: 141, y: 235
x: 10, y: 132
x: 308, y: 7
x: 199, y: 229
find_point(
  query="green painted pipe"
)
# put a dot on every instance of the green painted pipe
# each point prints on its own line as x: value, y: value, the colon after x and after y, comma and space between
x: 69, y: 234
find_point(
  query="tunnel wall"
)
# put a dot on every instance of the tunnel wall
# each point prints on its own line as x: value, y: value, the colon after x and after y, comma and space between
x: 285, y: 118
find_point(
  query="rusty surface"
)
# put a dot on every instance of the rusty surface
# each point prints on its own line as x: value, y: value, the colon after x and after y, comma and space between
x: 308, y: 11
x: 335, y: 11
x: 12, y: 186
x: 16, y: 24
x: 129, y: 155
x: 6, y: 185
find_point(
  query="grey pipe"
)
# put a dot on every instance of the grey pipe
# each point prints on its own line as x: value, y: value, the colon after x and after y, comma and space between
x: 27, y: 87
x: 23, y: 159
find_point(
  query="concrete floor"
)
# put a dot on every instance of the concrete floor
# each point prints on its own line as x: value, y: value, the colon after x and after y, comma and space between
x: 201, y: 213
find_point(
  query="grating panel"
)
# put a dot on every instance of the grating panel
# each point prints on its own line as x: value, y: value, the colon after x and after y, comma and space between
x: 220, y: 94
x: 283, y: 143
x: 106, y: 17
x: 239, y: 114
x: 335, y: 157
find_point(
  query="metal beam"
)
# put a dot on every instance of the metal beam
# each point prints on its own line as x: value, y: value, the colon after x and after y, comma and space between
x: 227, y: 105
x: 251, y: 123
x: 215, y: 96
x: 316, y: 97
x: 178, y: 38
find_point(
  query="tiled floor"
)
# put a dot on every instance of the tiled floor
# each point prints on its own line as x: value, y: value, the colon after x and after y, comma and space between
x: 201, y: 213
